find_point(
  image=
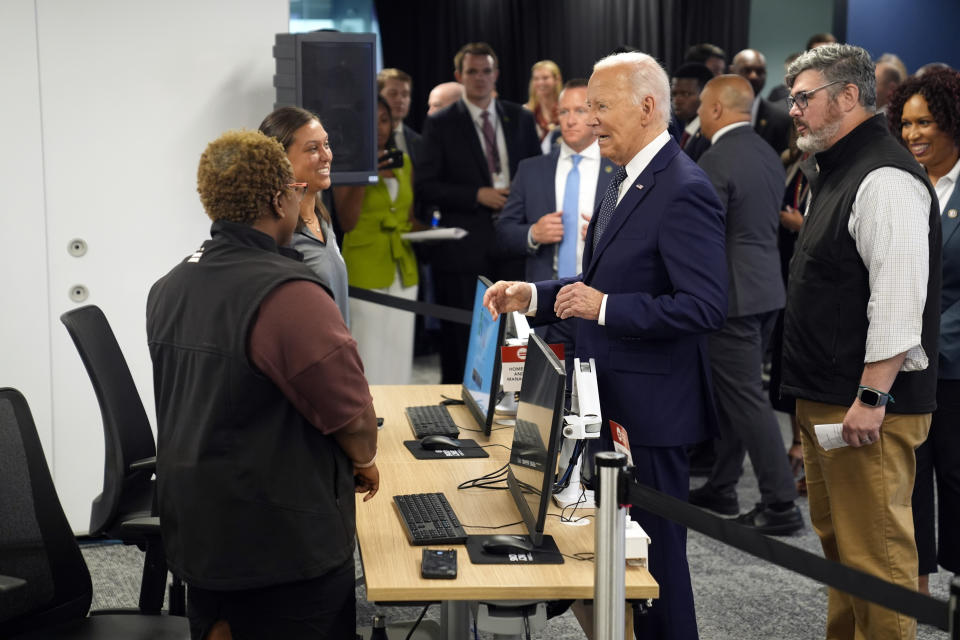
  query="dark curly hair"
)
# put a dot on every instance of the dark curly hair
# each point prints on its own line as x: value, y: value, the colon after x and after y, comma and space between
x: 239, y: 174
x: 941, y: 89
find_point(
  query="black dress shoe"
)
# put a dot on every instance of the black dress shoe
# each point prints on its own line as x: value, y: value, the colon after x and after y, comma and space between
x: 722, y: 504
x: 773, y: 523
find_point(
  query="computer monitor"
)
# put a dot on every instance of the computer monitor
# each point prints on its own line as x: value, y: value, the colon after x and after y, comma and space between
x: 536, y: 438
x: 481, y: 375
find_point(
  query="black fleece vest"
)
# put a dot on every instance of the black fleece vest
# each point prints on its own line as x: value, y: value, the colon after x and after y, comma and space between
x: 825, y: 322
x: 250, y: 493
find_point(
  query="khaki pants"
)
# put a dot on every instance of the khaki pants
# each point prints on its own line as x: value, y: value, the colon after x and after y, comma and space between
x: 860, y: 508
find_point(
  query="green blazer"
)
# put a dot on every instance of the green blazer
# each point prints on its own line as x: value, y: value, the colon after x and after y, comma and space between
x: 374, y: 250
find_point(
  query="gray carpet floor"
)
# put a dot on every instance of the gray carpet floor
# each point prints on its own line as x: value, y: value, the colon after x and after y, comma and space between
x: 737, y: 596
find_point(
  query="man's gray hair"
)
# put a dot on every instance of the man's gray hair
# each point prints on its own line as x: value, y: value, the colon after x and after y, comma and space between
x: 840, y: 62
x: 647, y: 78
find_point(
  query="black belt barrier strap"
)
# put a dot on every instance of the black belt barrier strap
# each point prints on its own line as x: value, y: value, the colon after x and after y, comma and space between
x: 857, y: 583
x: 451, y: 314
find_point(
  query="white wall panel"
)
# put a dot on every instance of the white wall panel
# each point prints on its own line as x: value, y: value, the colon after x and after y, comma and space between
x: 131, y: 93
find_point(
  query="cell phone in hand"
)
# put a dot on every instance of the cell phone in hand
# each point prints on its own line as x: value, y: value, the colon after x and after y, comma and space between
x: 392, y: 160
x: 439, y: 563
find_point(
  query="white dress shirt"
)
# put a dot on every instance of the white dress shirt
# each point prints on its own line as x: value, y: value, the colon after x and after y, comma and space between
x: 400, y: 139
x: 723, y: 130
x: 946, y: 184
x: 889, y: 224
x: 589, y: 169
x: 500, y: 180
x: 634, y: 168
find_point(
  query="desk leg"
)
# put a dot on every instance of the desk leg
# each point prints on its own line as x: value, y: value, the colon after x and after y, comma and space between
x: 455, y: 619
x: 584, y: 614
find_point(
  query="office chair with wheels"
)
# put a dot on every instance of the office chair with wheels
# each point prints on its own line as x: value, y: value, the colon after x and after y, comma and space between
x: 125, y: 510
x: 48, y: 588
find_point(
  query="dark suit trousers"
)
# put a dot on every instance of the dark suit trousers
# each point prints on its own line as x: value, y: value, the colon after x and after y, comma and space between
x: 454, y: 290
x: 940, y: 454
x: 747, y: 422
x: 672, y: 616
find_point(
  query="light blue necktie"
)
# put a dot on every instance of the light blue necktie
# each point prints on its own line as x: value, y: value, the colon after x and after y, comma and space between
x: 567, y: 253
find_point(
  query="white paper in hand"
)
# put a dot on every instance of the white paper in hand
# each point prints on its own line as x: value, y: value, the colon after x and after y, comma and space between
x: 830, y: 436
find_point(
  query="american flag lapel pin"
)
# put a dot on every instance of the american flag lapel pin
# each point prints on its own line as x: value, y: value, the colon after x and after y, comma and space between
x: 639, y: 187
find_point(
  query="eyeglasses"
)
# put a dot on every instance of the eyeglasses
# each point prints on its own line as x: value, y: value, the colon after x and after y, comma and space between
x: 300, y: 188
x: 802, y: 98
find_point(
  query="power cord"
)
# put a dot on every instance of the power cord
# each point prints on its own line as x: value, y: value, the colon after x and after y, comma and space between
x: 417, y: 623
x: 488, y: 481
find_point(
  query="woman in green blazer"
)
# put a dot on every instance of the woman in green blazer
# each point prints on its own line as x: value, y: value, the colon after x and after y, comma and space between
x: 374, y: 218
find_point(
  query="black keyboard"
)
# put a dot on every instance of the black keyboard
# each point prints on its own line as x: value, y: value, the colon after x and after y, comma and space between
x: 431, y: 420
x: 429, y: 519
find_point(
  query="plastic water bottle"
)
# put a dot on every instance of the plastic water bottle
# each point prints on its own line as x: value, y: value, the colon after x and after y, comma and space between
x: 435, y: 222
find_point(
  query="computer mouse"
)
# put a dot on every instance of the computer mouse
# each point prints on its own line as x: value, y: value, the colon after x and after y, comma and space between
x: 439, y: 443
x: 503, y: 544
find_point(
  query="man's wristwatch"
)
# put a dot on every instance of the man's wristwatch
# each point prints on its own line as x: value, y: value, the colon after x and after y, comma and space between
x: 873, y: 397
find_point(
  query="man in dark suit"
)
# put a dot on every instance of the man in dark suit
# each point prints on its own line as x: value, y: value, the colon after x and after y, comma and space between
x: 551, y: 202
x: 749, y: 178
x: 685, y: 86
x: 769, y: 120
x: 470, y: 151
x: 394, y: 86
x: 654, y: 283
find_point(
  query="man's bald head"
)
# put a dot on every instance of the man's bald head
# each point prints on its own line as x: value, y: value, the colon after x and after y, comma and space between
x: 752, y: 65
x: 725, y: 100
x: 442, y: 95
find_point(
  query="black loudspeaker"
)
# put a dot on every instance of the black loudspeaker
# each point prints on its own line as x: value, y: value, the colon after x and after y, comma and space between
x: 334, y: 75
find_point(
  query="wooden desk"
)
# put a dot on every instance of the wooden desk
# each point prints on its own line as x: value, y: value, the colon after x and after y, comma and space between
x: 392, y: 565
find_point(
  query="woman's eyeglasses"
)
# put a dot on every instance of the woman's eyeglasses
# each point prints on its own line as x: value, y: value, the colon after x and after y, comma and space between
x: 300, y: 188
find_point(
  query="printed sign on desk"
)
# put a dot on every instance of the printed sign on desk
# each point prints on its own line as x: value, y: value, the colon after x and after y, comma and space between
x: 511, y: 367
x: 621, y: 442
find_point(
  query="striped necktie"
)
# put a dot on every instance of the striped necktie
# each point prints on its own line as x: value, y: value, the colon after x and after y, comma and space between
x: 608, y: 205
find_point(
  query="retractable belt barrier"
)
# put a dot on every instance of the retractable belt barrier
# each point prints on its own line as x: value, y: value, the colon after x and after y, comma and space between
x: 924, y: 608
x: 450, y: 314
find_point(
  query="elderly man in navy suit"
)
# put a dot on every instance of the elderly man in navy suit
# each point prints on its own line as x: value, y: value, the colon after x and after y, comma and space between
x: 654, y: 283
x: 551, y: 201
x: 749, y: 178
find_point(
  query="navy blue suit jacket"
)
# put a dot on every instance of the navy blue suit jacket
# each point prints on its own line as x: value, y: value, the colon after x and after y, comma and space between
x: 662, y: 263
x: 950, y: 291
x: 532, y: 195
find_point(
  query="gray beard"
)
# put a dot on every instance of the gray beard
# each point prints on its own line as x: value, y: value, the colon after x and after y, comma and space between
x: 817, y: 141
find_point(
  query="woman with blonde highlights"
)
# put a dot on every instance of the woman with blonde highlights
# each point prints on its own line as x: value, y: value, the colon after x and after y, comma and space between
x: 546, y: 81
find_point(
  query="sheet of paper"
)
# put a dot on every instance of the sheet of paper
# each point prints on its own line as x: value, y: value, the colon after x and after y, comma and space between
x: 440, y: 233
x: 830, y: 436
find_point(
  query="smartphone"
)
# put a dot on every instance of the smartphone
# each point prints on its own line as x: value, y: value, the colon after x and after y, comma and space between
x: 393, y: 159
x: 439, y: 563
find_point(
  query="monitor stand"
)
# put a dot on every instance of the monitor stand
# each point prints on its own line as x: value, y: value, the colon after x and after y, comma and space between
x: 546, y: 553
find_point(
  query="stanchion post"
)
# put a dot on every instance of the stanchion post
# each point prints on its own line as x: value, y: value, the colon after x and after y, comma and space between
x: 609, y: 598
x: 955, y: 608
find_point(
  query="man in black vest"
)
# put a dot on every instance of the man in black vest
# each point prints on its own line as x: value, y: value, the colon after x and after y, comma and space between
x: 861, y: 329
x: 265, y: 424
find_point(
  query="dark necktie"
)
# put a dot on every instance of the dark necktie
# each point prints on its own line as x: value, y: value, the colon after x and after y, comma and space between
x: 608, y: 205
x: 684, y: 139
x: 490, y: 138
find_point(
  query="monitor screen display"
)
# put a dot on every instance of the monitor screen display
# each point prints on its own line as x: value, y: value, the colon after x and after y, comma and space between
x: 536, y: 438
x: 481, y: 375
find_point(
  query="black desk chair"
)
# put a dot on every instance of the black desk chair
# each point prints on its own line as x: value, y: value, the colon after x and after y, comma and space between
x: 126, y: 509
x: 51, y: 599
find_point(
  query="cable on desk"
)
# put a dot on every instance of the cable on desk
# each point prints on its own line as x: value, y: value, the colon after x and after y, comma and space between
x: 417, y: 623
x: 499, y: 526
x: 450, y: 401
x: 486, y: 481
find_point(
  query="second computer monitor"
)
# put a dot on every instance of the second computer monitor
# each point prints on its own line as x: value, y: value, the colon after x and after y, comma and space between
x: 481, y: 375
x: 536, y: 438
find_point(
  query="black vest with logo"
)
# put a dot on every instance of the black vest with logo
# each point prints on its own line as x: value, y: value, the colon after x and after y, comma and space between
x: 825, y: 322
x: 250, y: 493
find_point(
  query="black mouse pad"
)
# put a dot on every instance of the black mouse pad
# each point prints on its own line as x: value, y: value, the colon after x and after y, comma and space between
x: 546, y: 553
x: 468, y: 449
